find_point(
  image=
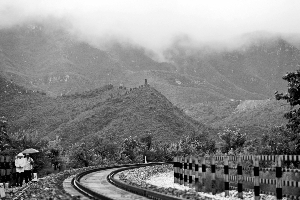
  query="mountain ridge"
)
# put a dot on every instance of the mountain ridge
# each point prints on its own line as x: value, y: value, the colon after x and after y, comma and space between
x: 36, y: 55
x: 107, y: 112
x: 199, y: 79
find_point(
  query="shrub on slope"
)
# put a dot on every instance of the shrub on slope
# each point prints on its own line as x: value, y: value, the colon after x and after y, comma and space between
x: 111, y: 112
x: 142, y: 111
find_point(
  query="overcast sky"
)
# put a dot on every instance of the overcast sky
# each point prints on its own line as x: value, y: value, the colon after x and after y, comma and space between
x: 153, y: 23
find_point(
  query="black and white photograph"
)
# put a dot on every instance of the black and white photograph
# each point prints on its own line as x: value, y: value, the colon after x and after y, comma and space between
x: 149, y: 99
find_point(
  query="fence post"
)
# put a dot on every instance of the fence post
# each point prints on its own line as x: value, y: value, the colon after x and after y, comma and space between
x: 278, y: 160
x: 2, y: 173
x: 175, y: 170
x: 197, y: 188
x: 180, y: 171
x: 256, y: 177
x: 213, y: 175
x: 240, y: 177
x: 226, y: 175
x: 203, y: 173
x: 191, y: 172
x: 185, y: 172
x: 2, y: 191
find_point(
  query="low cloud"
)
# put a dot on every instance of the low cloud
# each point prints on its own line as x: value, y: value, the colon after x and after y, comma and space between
x: 154, y: 24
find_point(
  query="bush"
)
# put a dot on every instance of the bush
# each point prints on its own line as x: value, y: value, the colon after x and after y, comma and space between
x: 232, y: 139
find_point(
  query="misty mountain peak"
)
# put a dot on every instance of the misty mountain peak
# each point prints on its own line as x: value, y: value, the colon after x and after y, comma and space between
x: 40, y: 56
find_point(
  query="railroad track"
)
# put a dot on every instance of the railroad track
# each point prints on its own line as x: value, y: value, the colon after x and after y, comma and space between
x: 104, y: 183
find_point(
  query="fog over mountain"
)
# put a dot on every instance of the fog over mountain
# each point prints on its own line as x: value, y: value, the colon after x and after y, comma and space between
x: 219, y: 61
x: 230, y: 49
x: 155, y: 24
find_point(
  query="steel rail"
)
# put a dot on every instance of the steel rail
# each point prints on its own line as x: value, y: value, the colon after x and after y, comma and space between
x: 110, y: 178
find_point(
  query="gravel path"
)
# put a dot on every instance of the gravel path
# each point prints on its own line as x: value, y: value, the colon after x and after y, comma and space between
x: 166, y: 180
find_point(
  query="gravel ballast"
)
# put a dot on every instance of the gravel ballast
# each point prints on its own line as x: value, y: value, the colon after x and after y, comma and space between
x: 166, y: 180
x: 161, y: 179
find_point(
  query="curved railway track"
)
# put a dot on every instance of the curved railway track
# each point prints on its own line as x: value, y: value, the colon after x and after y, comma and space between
x: 104, y: 183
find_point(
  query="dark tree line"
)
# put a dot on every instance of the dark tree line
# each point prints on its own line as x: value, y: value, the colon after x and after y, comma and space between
x: 291, y: 132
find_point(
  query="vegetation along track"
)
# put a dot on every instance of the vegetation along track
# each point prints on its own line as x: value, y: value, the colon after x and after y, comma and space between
x: 103, y: 183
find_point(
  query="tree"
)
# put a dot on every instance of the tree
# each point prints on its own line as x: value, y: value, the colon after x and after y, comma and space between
x: 278, y: 141
x: 54, y: 157
x: 232, y: 139
x: 293, y: 116
x: 81, y: 155
x: 202, y: 144
x: 4, y: 138
x: 131, y: 147
x: 105, y: 148
x: 147, y: 140
x: 22, y: 139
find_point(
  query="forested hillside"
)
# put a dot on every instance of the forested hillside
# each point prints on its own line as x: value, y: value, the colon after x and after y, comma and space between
x: 209, y: 84
x: 253, y: 117
x: 107, y: 112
